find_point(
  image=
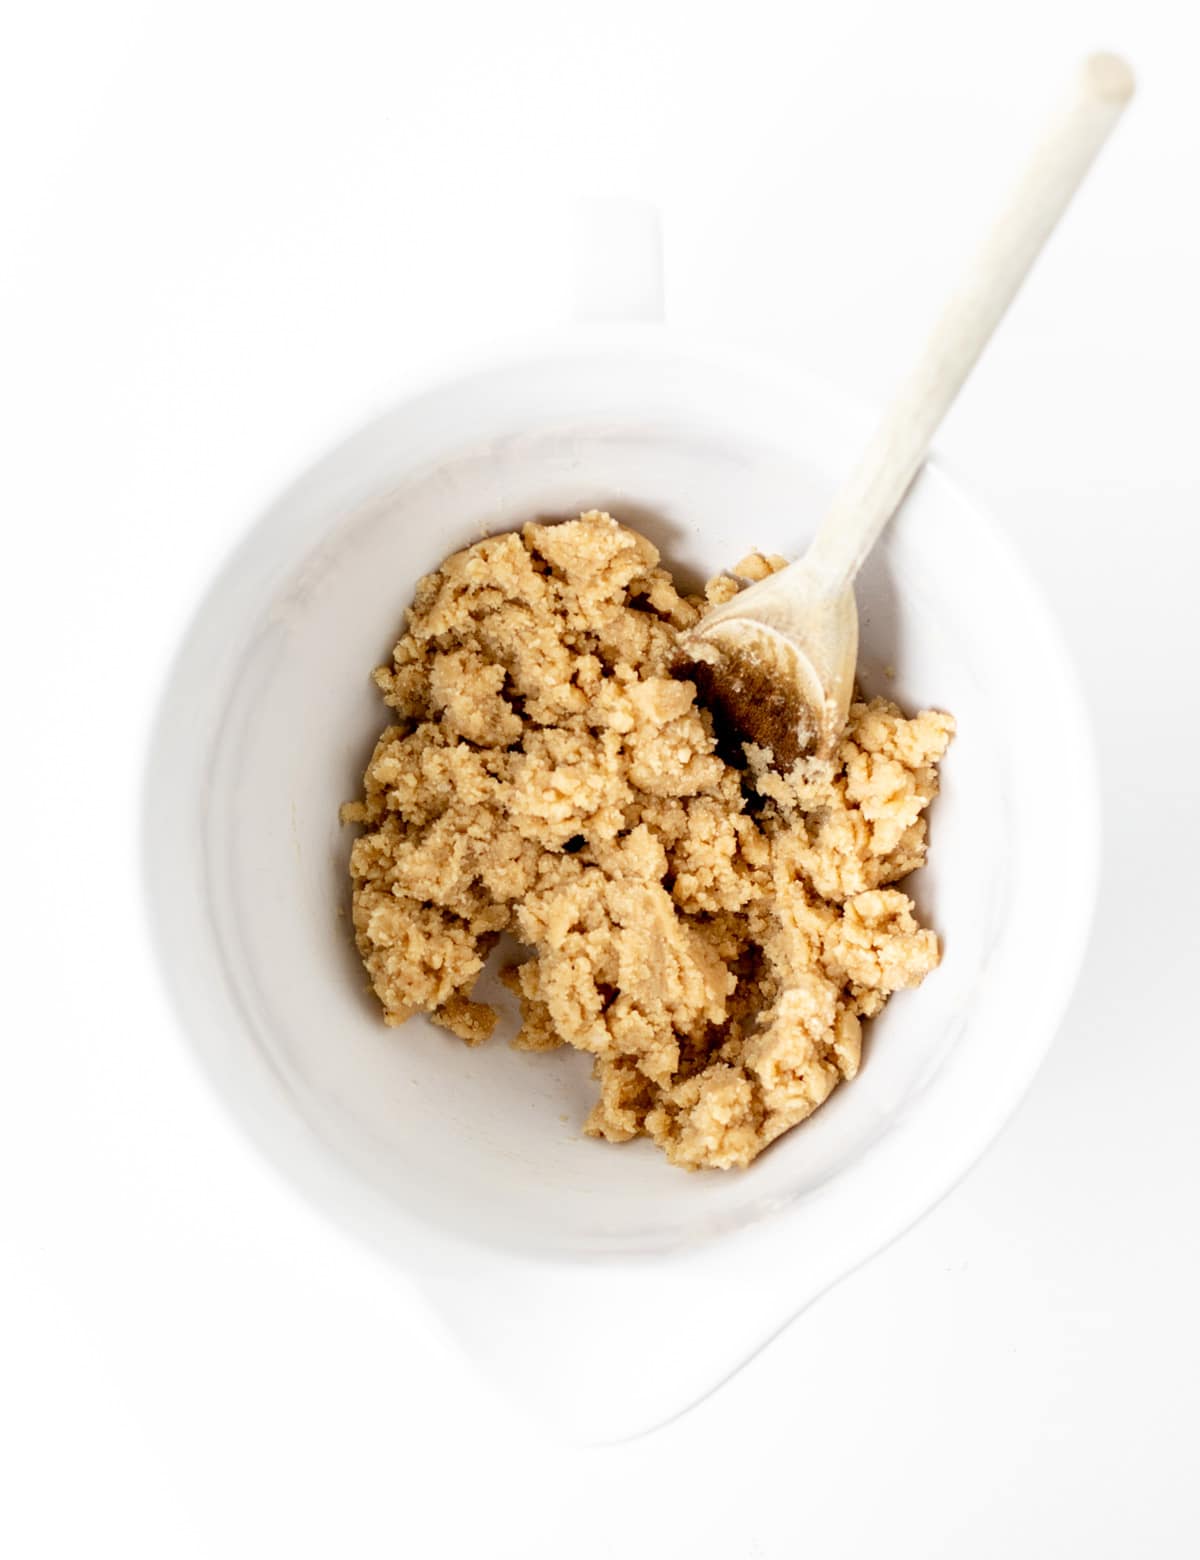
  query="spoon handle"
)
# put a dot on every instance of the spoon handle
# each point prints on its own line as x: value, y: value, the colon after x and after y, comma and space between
x: 873, y: 492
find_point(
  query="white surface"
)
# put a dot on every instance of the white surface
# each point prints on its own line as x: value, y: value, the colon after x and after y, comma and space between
x: 238, y: 226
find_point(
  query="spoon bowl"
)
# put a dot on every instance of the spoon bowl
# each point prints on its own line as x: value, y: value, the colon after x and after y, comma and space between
x: 777, y: 665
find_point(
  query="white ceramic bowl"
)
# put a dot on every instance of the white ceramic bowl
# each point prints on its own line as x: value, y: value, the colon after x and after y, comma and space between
x: 469, y: 1166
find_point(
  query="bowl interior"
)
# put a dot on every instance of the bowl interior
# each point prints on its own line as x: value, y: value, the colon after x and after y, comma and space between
x: 271, y: 716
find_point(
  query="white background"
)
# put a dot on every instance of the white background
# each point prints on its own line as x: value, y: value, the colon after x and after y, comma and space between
x: 236, y: 229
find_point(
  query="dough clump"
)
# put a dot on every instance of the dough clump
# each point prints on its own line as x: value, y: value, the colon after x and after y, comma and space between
x: 712, y: 933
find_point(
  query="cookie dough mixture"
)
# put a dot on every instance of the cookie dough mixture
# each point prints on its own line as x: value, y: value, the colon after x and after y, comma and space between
x: 711, y: 933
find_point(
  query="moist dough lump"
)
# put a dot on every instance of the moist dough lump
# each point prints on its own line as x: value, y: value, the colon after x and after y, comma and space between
x: 712, y: 933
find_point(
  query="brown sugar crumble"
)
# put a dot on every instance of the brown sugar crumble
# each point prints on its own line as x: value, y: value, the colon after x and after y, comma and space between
x: 712, y: 933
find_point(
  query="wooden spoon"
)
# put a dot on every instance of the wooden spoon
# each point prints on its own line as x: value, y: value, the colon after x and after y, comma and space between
x: 777, y: 662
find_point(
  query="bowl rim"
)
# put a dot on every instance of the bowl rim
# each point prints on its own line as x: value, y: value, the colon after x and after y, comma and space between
x: 867, y: 1204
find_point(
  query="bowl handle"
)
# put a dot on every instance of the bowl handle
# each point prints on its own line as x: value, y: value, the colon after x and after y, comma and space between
x: 618, y: 262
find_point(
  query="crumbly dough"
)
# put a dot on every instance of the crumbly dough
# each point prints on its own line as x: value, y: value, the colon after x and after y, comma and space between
x: 710, y: 932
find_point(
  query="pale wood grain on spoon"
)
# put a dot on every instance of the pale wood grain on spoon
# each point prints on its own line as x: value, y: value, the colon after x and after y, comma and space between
x: 777, y: 662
